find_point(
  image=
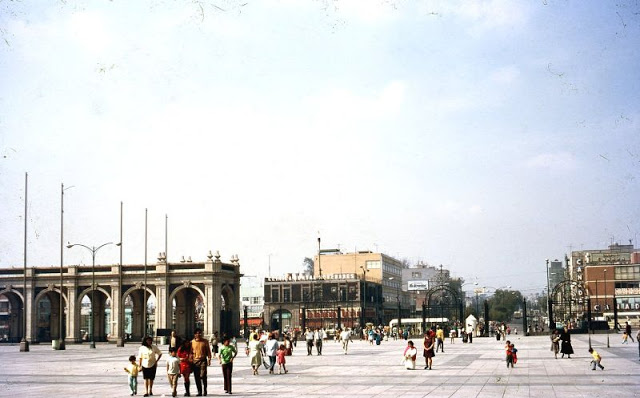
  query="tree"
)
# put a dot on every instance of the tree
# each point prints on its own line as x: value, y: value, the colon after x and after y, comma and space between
x: 503, y: 304
x: 307, y: 266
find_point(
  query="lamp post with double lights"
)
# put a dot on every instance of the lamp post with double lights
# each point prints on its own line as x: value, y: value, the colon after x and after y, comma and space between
x: 93, y: 251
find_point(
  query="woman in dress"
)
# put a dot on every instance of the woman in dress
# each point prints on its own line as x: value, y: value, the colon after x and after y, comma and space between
x: 255, y: 353
x: 428, y: 348
x: 410, y: 354
x: 555, y: 342
x: 565, y: 347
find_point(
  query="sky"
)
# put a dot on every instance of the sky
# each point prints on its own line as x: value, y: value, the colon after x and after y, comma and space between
x: 486, y: 136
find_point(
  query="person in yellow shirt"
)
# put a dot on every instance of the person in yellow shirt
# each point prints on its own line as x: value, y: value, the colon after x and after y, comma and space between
x: 201, y: 359
x: 596, y: 359
x: 132, y: 369
x: 439, y: 339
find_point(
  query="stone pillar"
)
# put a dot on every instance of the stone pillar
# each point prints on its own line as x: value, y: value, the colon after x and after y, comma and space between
x: 212, y: 313
x: 31, y: 332
x: 72, y: 315
x: 116, y: 313
x: 161, y: 307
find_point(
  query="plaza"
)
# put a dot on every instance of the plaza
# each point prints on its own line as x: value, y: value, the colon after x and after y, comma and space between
x: 463, y: 370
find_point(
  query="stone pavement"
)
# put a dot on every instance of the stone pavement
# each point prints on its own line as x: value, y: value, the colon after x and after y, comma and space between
x: 464, y: 370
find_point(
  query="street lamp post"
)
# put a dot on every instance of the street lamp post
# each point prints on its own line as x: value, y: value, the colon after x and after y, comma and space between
x: 364, y: 294
x: 605, y: 304
x: 93, y: 251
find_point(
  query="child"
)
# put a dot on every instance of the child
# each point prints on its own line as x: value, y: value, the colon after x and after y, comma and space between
x: 509, y: 350
x: 173, y: 371
x: 132, y: 369
x: 281, y: 353
x: 409, y: 356
x: 596, y: 359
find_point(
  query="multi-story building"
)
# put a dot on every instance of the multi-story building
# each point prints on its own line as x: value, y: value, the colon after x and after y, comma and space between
x: 335, y: 300
x: 251, y: 301
x: 419, y: 279
x: 612, y: 280
x: 375, y: 267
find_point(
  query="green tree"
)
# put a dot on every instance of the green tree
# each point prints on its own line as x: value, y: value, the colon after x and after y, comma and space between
x: 503, y: 304
x: 307, y: 266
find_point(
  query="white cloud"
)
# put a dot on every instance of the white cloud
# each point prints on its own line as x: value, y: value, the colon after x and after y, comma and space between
x: 553, y: 161
x: 505, y: 75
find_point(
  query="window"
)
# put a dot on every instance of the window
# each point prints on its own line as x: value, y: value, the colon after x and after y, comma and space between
x: 417, y: 275
x: 373, y: 264
x: 275, y: 295
x: 286, y: 295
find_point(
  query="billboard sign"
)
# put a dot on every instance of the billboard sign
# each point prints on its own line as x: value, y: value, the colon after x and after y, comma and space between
x: 417, y: 285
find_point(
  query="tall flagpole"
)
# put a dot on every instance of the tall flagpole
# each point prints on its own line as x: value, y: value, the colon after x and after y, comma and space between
x: 24, y: 344
x: 144, y: 302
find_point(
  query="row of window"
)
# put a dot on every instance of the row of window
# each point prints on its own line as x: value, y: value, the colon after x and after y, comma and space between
x: 630, y: 272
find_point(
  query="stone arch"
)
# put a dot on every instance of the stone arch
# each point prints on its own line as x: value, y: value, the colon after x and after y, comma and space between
x: 99, y: 330
x: 134, y: 318
x: 227, y: 297
x: 278, y: 323
x: 47, y: 319
x: 183, y: 315
x: 14, y: 326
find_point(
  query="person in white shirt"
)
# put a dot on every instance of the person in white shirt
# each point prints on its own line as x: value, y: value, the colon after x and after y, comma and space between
x: 345, y: 336
x: 270, y: 349
x: 319, y: 336
x: 309, y: 337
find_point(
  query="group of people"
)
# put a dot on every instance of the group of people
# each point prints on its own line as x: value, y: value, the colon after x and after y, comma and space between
x: 258, y: 348
x: 185, y: 357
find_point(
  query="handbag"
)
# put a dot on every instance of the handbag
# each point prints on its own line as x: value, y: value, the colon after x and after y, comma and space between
x: 265, y: 364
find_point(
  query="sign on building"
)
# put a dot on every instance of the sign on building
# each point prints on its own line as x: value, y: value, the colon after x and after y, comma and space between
x: 417, y: 285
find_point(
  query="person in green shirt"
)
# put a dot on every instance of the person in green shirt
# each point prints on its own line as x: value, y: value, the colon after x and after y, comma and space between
x: 225, y: 356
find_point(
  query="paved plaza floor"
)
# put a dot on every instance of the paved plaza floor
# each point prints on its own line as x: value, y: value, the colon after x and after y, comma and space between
x: 463, y: 370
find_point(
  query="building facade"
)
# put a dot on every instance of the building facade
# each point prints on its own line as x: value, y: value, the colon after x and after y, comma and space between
x: 333, y: 301
x: 612, y: 279
x: 376, y: 268
x: 179, y: 296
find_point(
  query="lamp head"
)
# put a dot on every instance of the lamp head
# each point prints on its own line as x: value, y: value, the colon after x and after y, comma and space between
x: 69, y: 246
x: 119, y: 244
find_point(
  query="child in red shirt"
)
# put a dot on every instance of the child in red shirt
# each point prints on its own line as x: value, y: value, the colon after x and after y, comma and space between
x: 280, y: 354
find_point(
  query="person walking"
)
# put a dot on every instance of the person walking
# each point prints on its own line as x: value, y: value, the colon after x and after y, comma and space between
x: 281, y: 354
x: 173, y: 371
x: 270, y: 348
x: 627, y: 333
x: 309, y: 338
x: 201, y: 353
x: 255, y: 353
x: 319, y: 337
x: 214, y: 344
x: 345, y: 337
x: 565, y: 346
x: 596, y: 359
x: 439, y: 339
x: 174, y: 340
x: 148, y: 356
x: 410, y: 355
x: 226, y: 355
x: 132, y: 370
x: 555, y: 342
x: 427, y: 346
x: 186, y: 364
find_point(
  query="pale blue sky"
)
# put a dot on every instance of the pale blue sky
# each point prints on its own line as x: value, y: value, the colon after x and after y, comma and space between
x: 482, y: 135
